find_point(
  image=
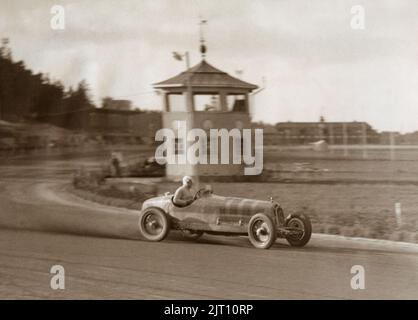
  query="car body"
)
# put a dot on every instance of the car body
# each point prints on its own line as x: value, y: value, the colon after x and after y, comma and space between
x: 149, y: 168
x: 262, y: 221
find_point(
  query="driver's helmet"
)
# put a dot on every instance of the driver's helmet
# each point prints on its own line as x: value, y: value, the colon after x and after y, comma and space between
x: 186, y: 179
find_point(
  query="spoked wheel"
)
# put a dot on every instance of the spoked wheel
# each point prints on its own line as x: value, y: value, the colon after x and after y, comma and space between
x: 154, y: 224
x: 191, y: 234
x: 301, y: 230
x: 261, y: 231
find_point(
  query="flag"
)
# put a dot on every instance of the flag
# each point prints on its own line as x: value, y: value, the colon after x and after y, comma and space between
x: 177, y: 56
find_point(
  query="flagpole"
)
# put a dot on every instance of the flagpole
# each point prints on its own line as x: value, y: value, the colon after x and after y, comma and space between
x: 190, y: 110
x: 189, y: 89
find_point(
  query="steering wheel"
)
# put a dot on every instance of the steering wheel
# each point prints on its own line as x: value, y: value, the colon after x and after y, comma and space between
x: 199, y: 193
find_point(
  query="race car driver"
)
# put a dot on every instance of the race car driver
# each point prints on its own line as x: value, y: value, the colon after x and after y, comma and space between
x: 183, y: 195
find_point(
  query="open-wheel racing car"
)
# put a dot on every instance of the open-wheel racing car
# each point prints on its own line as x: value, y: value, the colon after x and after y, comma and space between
x: 262, y: 221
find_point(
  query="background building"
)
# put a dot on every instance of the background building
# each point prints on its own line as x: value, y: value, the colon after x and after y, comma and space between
x: 120, y: 105
x: 299, y: 133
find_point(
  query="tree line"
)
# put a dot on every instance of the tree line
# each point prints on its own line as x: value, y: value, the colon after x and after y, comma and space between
x: 26, y: 96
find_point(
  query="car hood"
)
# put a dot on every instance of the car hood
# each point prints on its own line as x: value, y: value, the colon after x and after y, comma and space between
x: 160, y: 202
x: 244, y: 206
x: 226, y: 205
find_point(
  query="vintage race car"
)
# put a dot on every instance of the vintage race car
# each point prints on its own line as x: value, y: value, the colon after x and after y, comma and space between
x: 262, y: 221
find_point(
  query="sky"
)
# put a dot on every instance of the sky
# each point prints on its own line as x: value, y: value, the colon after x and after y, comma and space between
x: 313, y: 62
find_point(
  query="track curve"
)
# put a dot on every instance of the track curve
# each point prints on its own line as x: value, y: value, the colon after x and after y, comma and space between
x: 104, y: 257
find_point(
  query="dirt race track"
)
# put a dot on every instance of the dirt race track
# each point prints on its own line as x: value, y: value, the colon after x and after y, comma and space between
x: 103, y: 257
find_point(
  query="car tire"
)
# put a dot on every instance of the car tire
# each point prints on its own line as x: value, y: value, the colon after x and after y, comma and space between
x: 154, y: 224
x: 300, y: 222
x: 262, y: 231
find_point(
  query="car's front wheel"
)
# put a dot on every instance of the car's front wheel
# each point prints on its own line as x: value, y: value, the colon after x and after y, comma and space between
x: 154, y: 224
x: 262, y: 231
x: 301, y: 230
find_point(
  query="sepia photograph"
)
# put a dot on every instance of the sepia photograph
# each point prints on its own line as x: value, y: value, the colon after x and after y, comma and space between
x: 232, y: 151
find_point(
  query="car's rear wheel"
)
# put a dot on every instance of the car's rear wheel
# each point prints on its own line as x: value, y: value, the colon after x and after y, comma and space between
x: 301, y: 227
x: 261, y: 231
x: 191, y: 234
x: 154, y: 224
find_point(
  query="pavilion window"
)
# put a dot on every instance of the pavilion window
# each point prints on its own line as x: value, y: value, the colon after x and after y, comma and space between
x: 176, y: 102
x: 236, y: 103
x: 207, y: 102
